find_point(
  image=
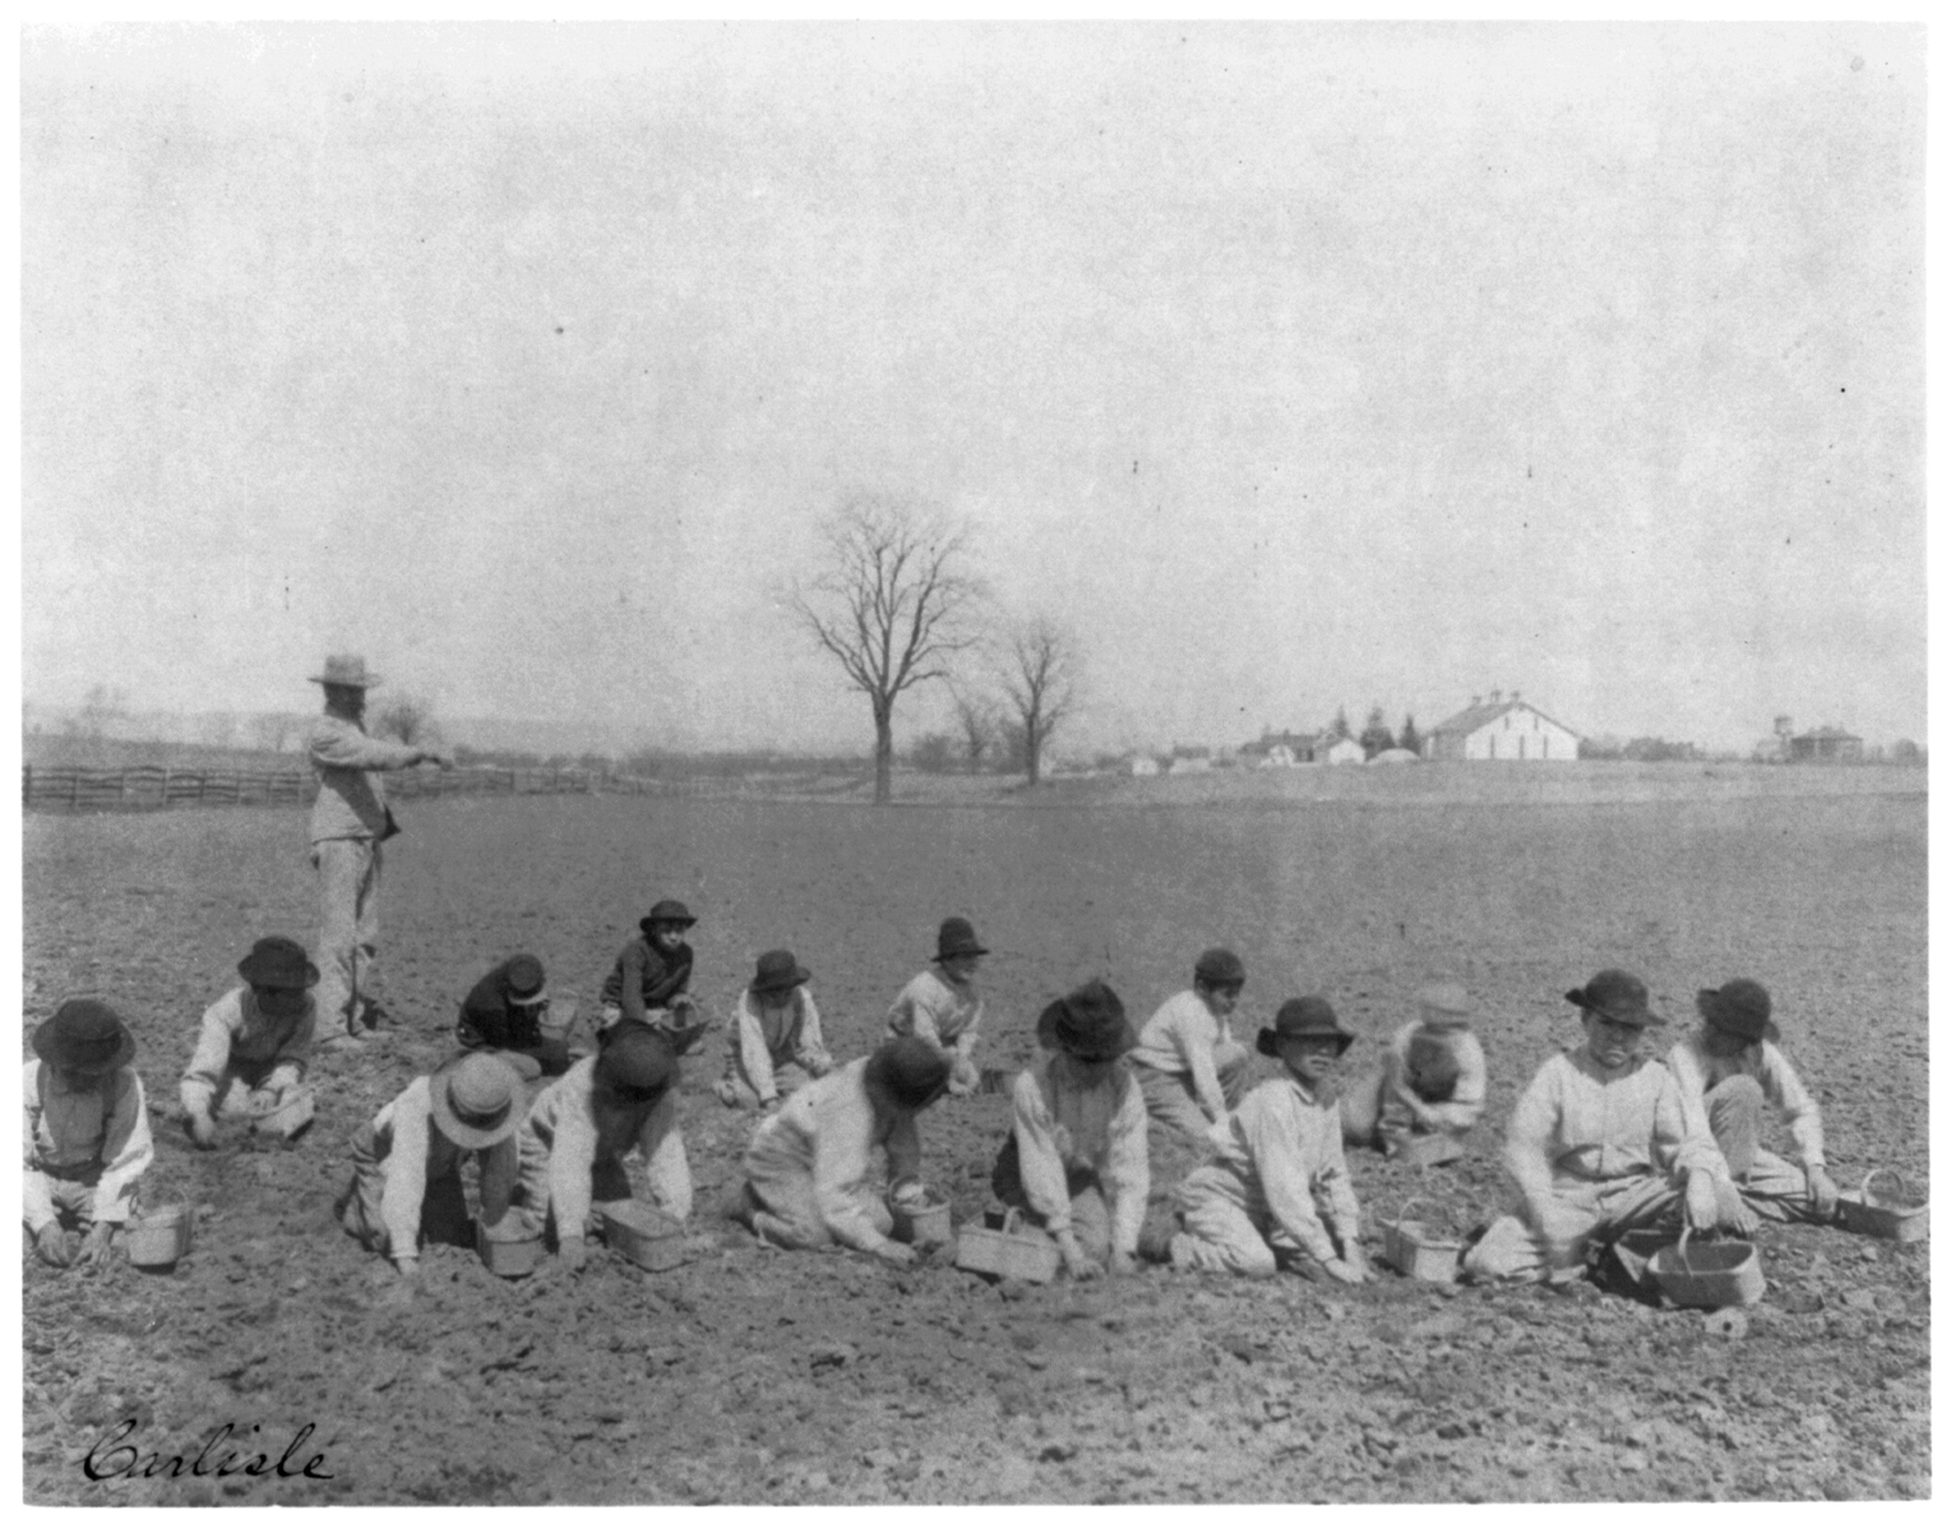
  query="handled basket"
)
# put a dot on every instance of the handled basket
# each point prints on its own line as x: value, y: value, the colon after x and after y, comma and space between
x: 1007, y: 1250
x: 1710, y: 1272
x: 643, y: 1234
x: 288, y: 1120
x: 1885, y: 1214
x: 923, y: 1220
x: 161, y: 1236
x: 1415, y: 1248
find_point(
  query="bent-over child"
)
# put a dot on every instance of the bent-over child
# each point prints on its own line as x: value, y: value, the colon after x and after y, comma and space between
x: 775, y: 1036
x: 808, y: 1172
x: 408, y: 1161
x: 253, y: 1045
x: 504, y: 1014
x: 88, y: 1133
x: 1431, y: 1080
x: 941, y: 1006
x: 1276, y: 1194
x: 1731, y: 1072
x: 1192, y: 1069
x: 1078, y: 1157
x: 1600, y: 1142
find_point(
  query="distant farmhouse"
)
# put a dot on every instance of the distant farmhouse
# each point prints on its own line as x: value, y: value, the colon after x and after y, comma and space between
x: 1344, y: 751
x: 1498, y: 729
x: 1284, y: 749
x: 1827, y: 744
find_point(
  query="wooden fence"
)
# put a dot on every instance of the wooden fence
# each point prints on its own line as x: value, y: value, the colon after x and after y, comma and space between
x: 151, y: 788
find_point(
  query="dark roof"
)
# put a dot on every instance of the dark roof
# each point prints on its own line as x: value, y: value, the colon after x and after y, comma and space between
x: 1285, y: 738
x: 1828, y: 733
x: 1479, y: 715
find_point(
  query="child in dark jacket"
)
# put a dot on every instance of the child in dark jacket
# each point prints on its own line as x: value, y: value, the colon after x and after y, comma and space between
x: 649, y: 979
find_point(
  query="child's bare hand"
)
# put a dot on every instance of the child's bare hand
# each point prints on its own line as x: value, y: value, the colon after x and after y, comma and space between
x: 1701, y: 1207
x: 204, y: 1132
x: 54, y: 1246
x: 1356, y: 1259
x: 95, y: 1247
x: 572, y: 1253
x: 894, y: 1253
x: 1122, y: 1264
x: 1347, y: 1273
x: 1823, y: 1190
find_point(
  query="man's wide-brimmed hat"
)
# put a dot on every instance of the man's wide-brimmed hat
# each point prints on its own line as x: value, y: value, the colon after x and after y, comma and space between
x: 635, y: 1062
x: 1618, y: 996
x: 956, y: 940
x: 1740, y: 1008
x: 777, y: 971
x: 85, y: 1036
x: 524, y: 981
x: 670, y: 912
x: 1087, y: 1023
x: 347, y: 672
x: 278, y: 963
x: 1444, y: 1000
x: 1304, y: 1016
x: 909, y: 1071
x: 1219, y: 965
x: 477, y: 1101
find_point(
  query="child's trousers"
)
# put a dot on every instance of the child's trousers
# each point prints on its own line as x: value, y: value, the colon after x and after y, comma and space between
x: 1088, y: 1210
x: 445, y: 1212
x: 1580, y: 1211
x: 238, y: 1095
x: 1773, y: 1187
x: 1221, y: 1232
x: 69, y: 1197
x: 779, y: 1203
x: 734, y: 1088
x: 1173, y: 1099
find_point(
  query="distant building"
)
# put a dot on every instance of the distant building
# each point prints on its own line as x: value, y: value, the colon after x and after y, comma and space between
x: 1281, y: 749
x: 1393, y: 756
x: 1189, y: 759
x: 1498, y: 729
x: 1142, y: 766
x: 1827, y: 744
x: 1345, y: 750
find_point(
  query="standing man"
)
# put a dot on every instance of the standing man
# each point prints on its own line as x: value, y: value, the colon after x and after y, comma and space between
x: 351, y: 819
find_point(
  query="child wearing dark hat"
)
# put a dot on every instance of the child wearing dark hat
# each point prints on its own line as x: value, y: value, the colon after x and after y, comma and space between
x: 572, y: 1148
x: 1192, y: 1069
x: 649, y: 978
x: 1078, y: 1158
x: 1601, y: 1141
x: 808, y: 1170
x: 504, y: 1014
x: 88, y: 1133
x: 775, y: 1036
x: 1431, y: 1080
x: 253, y: 1045
x: 1733, y: 1067
x: 941, y: 1006
x: 408, y: 1161
x: 1276, y: 1194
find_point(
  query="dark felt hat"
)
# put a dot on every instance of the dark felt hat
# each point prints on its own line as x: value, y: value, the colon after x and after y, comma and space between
x: 1618, y: 996
x: 278, y: 963
x: 347, y: 672
x: 1219, y: 965
x: 1740, y: 1008
x: 910, y: 1072
x: 956, y: 939
x: 670, y: 911
x: 1305, y: 1016
x: 523, y: 981
x: 86, y: 1036
x: 635, y: 1062
x: 777, y: 971
x: 1087, y: 1023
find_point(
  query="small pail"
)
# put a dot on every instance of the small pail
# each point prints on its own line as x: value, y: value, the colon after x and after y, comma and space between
x: 288, y: 1120
x: 161, y: 1236
x: 1711, y: 1272
x: 557, y: 1017
x: 924, y: 1218
x: 509, y: 1257
x: 642, y: 1233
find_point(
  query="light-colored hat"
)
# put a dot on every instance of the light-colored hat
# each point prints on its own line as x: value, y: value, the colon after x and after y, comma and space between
x: 1445, y: 998
x: 347, y: 672
x: 477, y: 1101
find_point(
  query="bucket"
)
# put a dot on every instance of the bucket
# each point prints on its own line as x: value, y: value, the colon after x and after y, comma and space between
x: 555, y: 1020
x: 508, y: 1257
x: 161, y: 1236
x: 642, y: 1233
x: 1710, y: 1272
x: 288, y: 1120
x: 1886, y: 1210
x: 920, y: 1215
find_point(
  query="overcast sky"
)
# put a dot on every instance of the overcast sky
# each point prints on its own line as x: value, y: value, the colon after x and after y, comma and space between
x: 1292, y: 367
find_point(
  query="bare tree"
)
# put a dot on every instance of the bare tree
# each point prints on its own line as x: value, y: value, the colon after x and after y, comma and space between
x: 979, y: 724
x: 1039, y: 681
x: 407, y: 718
x: 890, y: 605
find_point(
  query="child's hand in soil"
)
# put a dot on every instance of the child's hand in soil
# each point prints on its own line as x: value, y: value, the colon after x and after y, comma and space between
x: 1347, y: 1272
x: 1355, y: 1258
x: 1079, y: 1266
x: 204, y: 1131
x: 95, y: 1247
x: 408, y: 1266
x: 1823, y: 1190
x: 572, y: 1253
x: 1122, y: 1264
x: 54, y: 1246
x: 894, y: 1253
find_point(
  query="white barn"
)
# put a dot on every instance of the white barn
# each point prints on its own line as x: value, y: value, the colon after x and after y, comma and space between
x: 1347, y: 750
x: 1498, y: 729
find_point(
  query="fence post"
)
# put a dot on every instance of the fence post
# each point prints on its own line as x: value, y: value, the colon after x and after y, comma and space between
x: 75, y: 788
x: 27, y: 785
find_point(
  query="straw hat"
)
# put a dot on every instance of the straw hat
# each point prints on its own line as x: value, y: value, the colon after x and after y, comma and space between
x: 477, y: 1101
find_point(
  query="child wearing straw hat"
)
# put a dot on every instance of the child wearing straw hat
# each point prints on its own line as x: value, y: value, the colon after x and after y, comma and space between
x: 648, y: 981
x: 253, y: 1044
x: 808, y: 1170
x: 572, y: 1149
x: 1733, y: 1068
x: 941, y: 1005
x: 1078, y: 1157
x: 88, y: 1133
x: 1431, y: 1080
x: 775, y: 1036
x: 408, y: 1161
x: 1601, y: 1141
x: 504, y: 1014
x: 1192, y: 1069
x: 1276, y: 1194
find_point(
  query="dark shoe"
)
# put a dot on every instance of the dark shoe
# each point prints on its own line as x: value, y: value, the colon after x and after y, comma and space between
x: 1154, y: 1243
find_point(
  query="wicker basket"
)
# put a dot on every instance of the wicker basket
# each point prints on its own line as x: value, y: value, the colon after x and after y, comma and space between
x: 1009, y: 1250
x: 642, y: 1233
x: 1415, y: 1247
x: 1710, y: 1272
x: 286, y: 1121
x: 1881, y: 1213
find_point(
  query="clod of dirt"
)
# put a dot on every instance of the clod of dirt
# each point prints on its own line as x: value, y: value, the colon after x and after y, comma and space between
x: 827, y: 1355
x: 1726, y: 1323
x: 1058, y: 1452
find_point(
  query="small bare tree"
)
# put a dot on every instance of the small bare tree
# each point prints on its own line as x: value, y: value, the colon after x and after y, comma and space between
x: 979, y: 725
x: 890, y: 605
x: 1040, y: 685
x: 407, y: 718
